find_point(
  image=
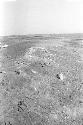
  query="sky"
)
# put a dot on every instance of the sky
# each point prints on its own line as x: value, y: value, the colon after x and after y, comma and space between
x: 22, y: 17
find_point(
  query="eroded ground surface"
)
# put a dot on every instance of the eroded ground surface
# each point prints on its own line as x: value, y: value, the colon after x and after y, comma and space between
x: 41, y: 85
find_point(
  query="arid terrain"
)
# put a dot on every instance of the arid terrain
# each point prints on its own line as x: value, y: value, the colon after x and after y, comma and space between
x: 41, y: 79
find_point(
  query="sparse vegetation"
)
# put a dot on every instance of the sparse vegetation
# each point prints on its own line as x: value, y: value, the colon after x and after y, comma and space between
x: 42, y: 88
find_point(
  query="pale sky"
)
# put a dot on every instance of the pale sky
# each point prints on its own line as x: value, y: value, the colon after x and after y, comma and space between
x: 42, y: 16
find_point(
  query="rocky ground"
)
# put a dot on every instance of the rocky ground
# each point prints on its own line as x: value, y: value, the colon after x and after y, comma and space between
x: 40, y: 84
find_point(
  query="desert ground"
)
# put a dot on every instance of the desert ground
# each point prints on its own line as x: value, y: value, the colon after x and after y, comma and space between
x: 41, y: 79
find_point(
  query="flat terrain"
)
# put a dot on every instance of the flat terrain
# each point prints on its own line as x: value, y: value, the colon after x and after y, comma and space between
x: 41, y: 79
